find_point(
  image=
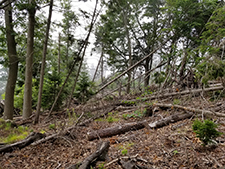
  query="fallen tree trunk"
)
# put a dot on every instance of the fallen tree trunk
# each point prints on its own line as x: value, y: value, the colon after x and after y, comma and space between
x: 21, y: 144
x: 170, y: 119
x: 120, y: 129
x: 100, y: 153
x: 165, y: 95
x: 199, y: 111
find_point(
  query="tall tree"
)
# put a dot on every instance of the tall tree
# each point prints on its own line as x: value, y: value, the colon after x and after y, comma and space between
x: 27, y: 103
x: 13, y: 63
x: 43, y: 63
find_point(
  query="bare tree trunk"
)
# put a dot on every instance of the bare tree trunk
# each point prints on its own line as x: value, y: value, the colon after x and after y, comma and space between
x: 129, y: 50
x: 13, y: 64
x: 27, y: 100
x: 99, y: 62
x: 43, y: 64
x: 59, y: 55
x: 102, y: 67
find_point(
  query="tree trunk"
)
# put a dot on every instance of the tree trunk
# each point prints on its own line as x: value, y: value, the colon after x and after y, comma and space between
x: 43, y: 64
x: 129, y: 50
x: 100, y: 153
x: 27, y: 100
x: 170, y: 119
x: 99, y: 62
x: 13, y: 64
x: 147, y: 77
x: 59, y: 55
x: 107, y: 132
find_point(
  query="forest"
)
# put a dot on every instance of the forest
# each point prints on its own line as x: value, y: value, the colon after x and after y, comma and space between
x: 112, y: 84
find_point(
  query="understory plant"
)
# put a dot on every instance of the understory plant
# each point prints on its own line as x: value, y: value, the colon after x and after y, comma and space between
x: 206, y: 131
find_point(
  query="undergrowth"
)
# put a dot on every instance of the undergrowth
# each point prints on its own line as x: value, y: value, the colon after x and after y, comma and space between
x: 11, y: 134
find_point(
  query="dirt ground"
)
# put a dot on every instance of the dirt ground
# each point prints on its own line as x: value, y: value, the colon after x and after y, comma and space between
x: 172, y: 146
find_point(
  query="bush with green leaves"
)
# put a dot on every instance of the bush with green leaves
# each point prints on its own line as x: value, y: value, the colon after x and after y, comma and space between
x: 210, y: 70
x: 50, y: 91
x: 84, y: 88
x: 206, y: 131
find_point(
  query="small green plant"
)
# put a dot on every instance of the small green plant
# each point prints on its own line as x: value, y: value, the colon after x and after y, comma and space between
x: 175, y: 152
x: 124, y: 151
x: 42, y: 132
x: 206, y: 131
x: 135, y: 114
x: 101, y: 166
x: 111, y: 119
x: 51, y: 126
x: 176, y: 101
x: 10, y: 133
x: 128, y: 102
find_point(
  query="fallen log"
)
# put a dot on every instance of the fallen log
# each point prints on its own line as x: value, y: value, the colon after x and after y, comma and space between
x: 170, y: 119
x: 100, y: 153
x: 21, y: 144
x: 120, y: 129
x: 199, y: 111
x: 190, y: 91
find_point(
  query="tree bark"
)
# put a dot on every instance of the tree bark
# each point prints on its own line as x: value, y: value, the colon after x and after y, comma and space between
x: 43, y: 64
x: 21, y: 144
x: 13, y: 64
x: 125, y: 20
x: 27, y: 100
x: 199, y: 111
x: 170, y: 119
x: 101, y: 150
x: 107, y: 132
x: 181, y: 93
x: 59, y: 55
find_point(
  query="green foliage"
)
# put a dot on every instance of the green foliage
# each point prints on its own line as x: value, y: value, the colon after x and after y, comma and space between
x: 124, y: 151
x: 176, y: 101
x: 135, y: 114
x: 124, y: 148
x: 210, y: 70
x: 175, y: 152
x: 51, y: 126
x: 129, y: 102
x: 111, y: 119
x: 217, y: 95
x: 159, y: 77
x: 214, y: 33
x: 206, y: 131
x: 50, y: 91
x: 101, y: 166
x: 84, y: 88
x: 11, y: 134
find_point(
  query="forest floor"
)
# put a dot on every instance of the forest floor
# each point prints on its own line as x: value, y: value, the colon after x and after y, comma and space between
x: 171, y: 146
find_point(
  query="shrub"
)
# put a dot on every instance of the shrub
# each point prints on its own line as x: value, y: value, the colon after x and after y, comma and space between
x: 205, y: 131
